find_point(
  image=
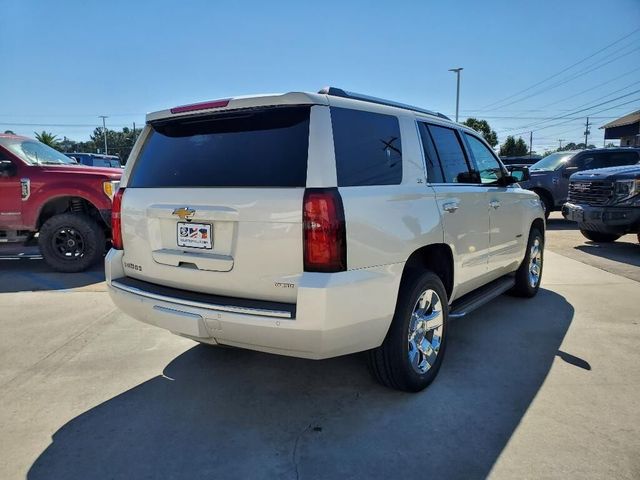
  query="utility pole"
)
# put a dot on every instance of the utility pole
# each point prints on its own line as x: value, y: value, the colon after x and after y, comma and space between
x: 530, y: 143
x: 457, y: 71
x: 586, y: 134
x: 104, y: 132
x: 560, y: 140
x: 135, y: 137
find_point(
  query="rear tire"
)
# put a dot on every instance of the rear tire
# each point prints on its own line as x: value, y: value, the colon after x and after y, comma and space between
x: 71, y: 242
x: 599, y: 236
x: 412, y: 352
x: 529, y: 274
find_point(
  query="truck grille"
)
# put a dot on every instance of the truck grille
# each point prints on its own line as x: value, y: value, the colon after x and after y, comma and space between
x: 591, y: 193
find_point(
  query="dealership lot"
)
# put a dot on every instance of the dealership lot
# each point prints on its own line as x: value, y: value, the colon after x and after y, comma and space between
x: 541, y: 388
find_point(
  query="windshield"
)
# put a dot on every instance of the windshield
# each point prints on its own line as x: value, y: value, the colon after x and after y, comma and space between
x: 36, y: 153
x: 552, y: 162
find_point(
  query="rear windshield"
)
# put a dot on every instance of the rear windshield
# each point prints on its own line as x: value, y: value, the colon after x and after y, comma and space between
x: 252, y: 148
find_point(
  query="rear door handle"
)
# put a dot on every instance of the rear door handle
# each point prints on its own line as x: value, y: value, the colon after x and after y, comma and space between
x: 495, y: 204
x: 450, y: 206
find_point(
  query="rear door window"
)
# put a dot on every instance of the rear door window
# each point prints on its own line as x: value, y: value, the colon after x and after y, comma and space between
x: 451, y: 155
x: 266, y: 147
x: 367, y: 147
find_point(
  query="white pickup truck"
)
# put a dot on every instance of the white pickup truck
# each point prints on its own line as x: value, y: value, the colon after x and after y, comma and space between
x: 319, y: 224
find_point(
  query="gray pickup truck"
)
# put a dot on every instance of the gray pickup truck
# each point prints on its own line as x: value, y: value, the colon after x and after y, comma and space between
x: 550, y: 176
x: 605, y: 202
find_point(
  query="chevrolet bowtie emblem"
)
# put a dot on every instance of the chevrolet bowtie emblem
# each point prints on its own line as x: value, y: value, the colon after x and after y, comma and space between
x: 185, y: 213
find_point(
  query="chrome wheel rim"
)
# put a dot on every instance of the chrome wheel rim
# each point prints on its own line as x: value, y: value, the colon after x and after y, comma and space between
x: 535, y: 263
x: 425, y: 331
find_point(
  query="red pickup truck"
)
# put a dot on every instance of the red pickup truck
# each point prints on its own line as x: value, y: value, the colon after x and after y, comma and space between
x: 47, y: 196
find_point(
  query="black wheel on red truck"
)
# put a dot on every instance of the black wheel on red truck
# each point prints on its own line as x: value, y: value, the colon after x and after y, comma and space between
x: 71, y: 242
x: 600, y: 237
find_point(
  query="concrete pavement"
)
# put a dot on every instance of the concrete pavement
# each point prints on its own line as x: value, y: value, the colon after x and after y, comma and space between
x: 540, y: 388
x: 621, y: 257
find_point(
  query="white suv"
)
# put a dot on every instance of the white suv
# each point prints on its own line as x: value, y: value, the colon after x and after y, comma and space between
x: 317, y: 225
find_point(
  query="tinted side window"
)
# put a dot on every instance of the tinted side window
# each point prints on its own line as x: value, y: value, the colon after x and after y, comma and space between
x: 614, y: 159
x: 367, y: 146
x: 434, y: 169
x: 451, y: 155
x: 582, y: 162
x: 486, y: 164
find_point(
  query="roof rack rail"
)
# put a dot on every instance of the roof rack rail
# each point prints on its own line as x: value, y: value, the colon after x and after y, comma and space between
x: 338, y: 92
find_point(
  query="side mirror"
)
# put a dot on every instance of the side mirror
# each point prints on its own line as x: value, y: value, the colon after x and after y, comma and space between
x: 7, y: 169
x: 520, y: 173
x: 568, y: 171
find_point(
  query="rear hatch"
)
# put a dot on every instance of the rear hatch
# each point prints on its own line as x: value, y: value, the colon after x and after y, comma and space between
x: 213, y: 203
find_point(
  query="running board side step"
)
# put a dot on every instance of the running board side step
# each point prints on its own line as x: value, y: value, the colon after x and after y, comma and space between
x: 469, y: 302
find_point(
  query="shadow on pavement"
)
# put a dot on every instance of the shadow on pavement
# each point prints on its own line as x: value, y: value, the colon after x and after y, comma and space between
x: 226, y: 413
x: 618, y: 251
x: 24, y: 275
x: 560, y: 224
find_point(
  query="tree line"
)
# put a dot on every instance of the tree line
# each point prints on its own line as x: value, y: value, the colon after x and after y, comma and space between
x: 119, y: 143
x: 513, y: 147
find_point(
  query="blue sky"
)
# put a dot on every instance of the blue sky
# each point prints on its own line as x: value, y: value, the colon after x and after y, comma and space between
x: 64, y: 63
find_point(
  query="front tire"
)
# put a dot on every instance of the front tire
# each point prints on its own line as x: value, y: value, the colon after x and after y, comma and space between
x: 71, y: 242
x: 547, y: 203
x: 599, y: 236
x: 529, y: 274
x: 412, y: 352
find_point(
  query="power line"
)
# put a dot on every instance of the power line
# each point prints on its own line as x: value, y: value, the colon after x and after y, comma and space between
x: 69, y: 115
x: 564, y: 123
x: 564, y: 99
x: 576, y: 111
x: 565, y: 69
x: 579, y: 74
x: 76, y: 125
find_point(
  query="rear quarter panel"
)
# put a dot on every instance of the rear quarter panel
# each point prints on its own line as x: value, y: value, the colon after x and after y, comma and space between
x: 387, y: 223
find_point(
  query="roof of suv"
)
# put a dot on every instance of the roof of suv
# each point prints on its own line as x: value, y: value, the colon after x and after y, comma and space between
x: 611, y: 149
x: 323, y: 97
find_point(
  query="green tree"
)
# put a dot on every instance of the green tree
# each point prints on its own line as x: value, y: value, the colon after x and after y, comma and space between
x: 118, y: 143
x: 48, y: 138
x: 482, y: 127
x: 513, y: 148
x: 575, y: 146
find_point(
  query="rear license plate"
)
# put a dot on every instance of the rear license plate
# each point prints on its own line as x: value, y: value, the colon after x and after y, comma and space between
x: 195, y: 235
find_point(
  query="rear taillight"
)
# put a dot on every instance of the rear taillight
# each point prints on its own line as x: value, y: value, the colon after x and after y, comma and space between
x: 116, y: 220
x: 325, y: 238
